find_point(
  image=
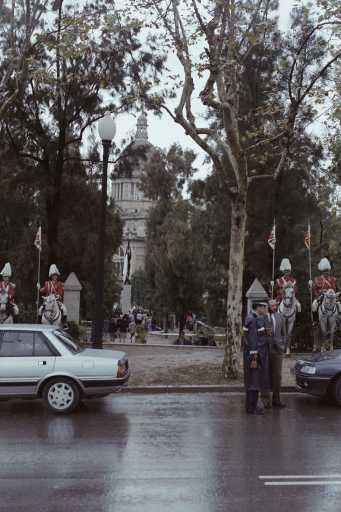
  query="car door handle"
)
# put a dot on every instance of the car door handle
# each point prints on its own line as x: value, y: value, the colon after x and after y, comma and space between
x: 42, y: 363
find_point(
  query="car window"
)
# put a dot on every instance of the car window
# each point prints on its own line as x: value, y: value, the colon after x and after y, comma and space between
x: 41, y: 347
x: 16, y: 344
x: 68, y: 342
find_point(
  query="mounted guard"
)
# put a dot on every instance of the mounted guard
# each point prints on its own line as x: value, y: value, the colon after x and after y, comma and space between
x: 10, y: 310
x: 53, y: 310
x: 284, y: 280
x: 324, y: 282
x: 289, y: 306
x: 325, y: 307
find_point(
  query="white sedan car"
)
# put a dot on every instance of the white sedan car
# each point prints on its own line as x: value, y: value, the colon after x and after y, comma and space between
x: 42, y: 361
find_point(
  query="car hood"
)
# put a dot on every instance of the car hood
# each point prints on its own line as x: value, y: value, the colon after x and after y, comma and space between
x: 325, y: 356
x: 104, y: 354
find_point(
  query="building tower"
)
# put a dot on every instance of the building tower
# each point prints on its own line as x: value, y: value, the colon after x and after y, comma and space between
x: 132, y: 204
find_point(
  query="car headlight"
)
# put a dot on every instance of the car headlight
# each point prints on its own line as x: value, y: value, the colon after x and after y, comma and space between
x: 310, y: 370
x: 122, y: 368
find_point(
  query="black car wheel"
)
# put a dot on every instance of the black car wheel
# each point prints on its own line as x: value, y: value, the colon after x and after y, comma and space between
x: 337, y: 391
x: 61, y: 395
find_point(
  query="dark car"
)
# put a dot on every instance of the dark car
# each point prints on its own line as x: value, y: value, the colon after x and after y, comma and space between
x: 320, y: 375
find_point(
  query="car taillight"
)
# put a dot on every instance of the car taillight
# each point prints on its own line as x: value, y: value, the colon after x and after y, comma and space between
x: 122, y: 368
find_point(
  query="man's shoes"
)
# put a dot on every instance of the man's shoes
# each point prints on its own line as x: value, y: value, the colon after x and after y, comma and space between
x: 258, y: 411
x: 267, y: 404
x: 278, y: 405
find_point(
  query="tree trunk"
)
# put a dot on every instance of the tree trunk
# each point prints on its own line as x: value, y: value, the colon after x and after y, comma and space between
x: 182, y: 322
x: 231, y: 364
x: 54, y: 199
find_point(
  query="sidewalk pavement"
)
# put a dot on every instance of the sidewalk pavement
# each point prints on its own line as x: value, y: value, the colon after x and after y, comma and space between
x: 179, y: 368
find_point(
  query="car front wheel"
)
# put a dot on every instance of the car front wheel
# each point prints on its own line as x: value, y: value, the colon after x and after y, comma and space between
x: 61, y: 395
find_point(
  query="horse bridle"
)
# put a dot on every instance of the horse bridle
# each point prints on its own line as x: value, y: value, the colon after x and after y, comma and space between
x: 49, y: 317
x: 327, y: 313
x: 287, y: 316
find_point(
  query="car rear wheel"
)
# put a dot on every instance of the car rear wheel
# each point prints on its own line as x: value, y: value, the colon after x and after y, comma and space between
x: 61, y: 395
x: 337, y: 391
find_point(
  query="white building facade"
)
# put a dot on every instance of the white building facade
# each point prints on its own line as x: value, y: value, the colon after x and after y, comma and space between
x: 132, y: 204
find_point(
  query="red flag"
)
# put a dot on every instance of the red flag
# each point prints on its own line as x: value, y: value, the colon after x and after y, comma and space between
x: 272, y: 237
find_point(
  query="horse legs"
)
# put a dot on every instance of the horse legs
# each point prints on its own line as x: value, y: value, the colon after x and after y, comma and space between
x: 325, y: 330
x: 287, y: 337
x: 332, y: 327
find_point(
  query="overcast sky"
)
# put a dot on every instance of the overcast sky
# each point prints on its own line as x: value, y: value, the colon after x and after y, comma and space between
x: 164, y: 131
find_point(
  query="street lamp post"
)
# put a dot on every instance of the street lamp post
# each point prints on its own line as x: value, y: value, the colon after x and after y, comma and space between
x: 106, y: 130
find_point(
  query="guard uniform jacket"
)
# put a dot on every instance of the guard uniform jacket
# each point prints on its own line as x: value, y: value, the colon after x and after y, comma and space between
x: 280, y: 283
x: 57, y: 288
x: 256, y: 345
x: 10, y: 289
x: 323, y: 284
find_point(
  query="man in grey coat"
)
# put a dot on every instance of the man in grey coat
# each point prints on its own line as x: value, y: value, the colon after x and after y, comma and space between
x: 276, y: 339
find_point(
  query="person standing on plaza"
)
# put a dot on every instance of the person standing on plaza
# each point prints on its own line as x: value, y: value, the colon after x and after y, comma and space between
x: 256, y: 357
x: 276, y: 340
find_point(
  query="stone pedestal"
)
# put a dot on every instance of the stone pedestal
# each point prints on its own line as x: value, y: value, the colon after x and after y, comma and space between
x: 255, y: 292
x: 72, y: 292
x: 126, y: 298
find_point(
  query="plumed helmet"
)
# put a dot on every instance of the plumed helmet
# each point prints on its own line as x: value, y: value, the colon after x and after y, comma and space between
x: 324, y: 265
x: 285, y: 265
x: 53, y: 270
x: 7, y: 270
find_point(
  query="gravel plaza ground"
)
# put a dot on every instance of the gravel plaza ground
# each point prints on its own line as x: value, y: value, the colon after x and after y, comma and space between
x: 180, y: 365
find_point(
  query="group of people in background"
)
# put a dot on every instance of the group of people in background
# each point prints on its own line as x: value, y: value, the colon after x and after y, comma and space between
x: 134, y: 324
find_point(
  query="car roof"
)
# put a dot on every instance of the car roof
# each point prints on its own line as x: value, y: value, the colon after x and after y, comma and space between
x: 27, y: 327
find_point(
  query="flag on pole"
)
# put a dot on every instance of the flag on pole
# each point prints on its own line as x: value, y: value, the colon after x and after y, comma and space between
x: 37, y: 240
x: 272, y: 237
x: 126, y: 265
x: 307, y: 237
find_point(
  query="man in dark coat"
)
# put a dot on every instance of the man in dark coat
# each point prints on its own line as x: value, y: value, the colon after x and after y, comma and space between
x: 276, y: 339
x: 256, y: 357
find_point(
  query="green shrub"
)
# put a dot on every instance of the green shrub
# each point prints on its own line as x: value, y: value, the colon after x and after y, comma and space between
x: 75, y: 330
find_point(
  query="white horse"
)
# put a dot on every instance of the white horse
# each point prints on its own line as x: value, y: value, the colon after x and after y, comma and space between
x: 328, y: 311
x: 288, y: 308
x: 50, y: 311
x: 6, y: 316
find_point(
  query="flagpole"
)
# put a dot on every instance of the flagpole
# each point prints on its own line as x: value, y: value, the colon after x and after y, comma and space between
x: 273, y: 262
x: 38, y: 283
x: 310, y: 273
x: 38, y: 245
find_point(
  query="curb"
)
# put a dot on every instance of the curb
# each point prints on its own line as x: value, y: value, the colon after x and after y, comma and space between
x: 158, y: 345
x: 194, y: 389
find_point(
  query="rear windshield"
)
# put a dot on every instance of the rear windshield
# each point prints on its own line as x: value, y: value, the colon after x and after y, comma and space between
x: 68, y: 342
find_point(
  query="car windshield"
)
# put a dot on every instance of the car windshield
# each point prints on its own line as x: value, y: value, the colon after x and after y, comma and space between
x: 68, y: 342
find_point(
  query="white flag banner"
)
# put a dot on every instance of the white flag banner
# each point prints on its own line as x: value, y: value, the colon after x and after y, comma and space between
x: 272, y: 237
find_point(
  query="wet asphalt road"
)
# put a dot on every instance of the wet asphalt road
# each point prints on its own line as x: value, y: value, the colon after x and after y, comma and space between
x: 160, y: 453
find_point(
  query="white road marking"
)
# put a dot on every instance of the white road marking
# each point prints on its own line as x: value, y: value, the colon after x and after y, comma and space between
x: 302, y: 482
x: 291, y: 477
